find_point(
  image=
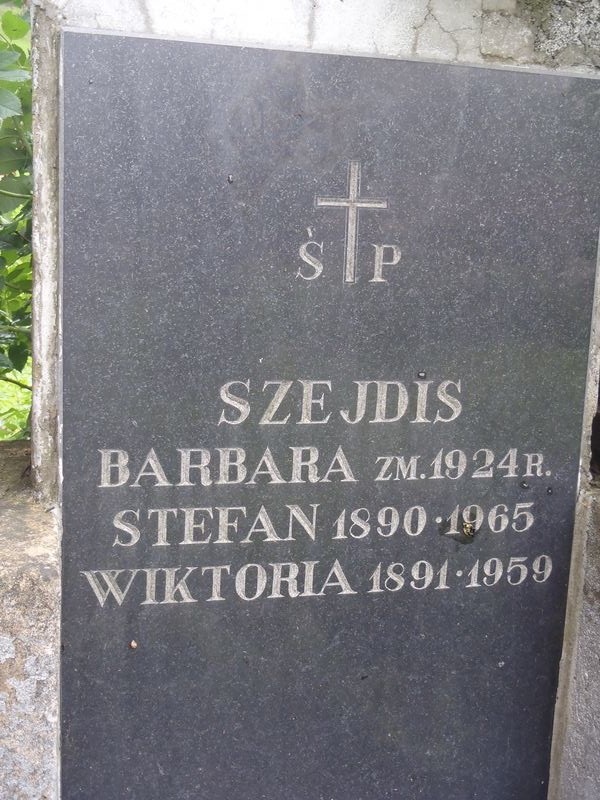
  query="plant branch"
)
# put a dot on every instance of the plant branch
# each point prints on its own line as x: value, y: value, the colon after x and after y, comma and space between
x: 15, y: 288
x: 15, y: 328
x: 24, y: 139
x: 15, y: 381
x: 15, y: 194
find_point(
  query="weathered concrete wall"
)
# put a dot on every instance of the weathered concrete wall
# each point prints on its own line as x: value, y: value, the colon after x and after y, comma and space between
x: 543, y: 33
x: 29, y: 634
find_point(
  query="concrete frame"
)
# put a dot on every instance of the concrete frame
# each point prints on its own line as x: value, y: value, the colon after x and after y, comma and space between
x: 512, y: 33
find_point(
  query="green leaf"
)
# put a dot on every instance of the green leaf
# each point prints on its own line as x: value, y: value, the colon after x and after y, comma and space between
x: 14, y: 191
x: 15, y: 404
x: 10, y: 256
x: 15, y: 222
x: 12, y: 159
x: 10, y: 241
x: 21, y: 268
x: 13, y: 75
x: 8, y: 57
x: 13, y: 26
x: 6, y: 338
x: 18, y: 354
x: 10, y: 105
x: 17, y: 303
x: 22, y: 286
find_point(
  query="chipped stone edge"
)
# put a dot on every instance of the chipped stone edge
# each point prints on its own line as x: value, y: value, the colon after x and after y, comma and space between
x: 46, y: 335
x: 586, y: 498
x: 46, y: 249
x: 506, y: 65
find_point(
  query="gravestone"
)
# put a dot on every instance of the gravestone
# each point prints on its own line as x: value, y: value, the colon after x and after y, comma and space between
x: 325, y: 329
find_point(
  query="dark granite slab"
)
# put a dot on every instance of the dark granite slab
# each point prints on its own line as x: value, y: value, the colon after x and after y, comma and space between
x: 448, y: 217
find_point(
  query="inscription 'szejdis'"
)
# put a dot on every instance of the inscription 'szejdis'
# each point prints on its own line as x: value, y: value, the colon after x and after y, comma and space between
x: 324, y: 351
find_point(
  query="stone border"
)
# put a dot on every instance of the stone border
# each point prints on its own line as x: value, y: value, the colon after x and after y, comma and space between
x: 46, y: 256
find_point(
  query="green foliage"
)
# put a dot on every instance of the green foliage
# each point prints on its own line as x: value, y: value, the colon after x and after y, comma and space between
x: 15, y: 224
x: 15, y: 404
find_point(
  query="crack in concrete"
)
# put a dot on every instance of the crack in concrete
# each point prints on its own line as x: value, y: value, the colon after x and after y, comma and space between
x: 430, y: 15
x: 449, y: 33
x: 418, y: 28
x: 52, y: 10
x: 145, y: 14
x: 312, y: 16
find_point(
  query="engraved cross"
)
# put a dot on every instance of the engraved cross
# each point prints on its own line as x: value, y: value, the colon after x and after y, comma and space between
x: 352, y: 203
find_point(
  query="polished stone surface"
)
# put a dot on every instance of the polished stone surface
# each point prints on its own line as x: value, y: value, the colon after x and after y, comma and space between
x: 193, y: 177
